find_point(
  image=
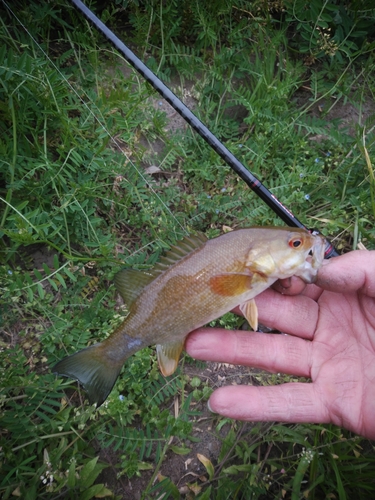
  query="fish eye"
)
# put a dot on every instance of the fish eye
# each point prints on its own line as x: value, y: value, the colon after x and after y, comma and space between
x: 295, y: 242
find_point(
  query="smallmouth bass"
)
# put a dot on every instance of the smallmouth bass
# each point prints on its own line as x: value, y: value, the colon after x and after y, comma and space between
x: 196, y: 282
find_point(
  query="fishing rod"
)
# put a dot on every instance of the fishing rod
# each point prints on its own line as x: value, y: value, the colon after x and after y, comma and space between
x: 270, y: 199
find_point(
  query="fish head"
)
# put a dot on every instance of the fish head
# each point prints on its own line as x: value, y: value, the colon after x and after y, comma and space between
x: 309, y: 254
x: 288, y: 252
x: 303, y: 254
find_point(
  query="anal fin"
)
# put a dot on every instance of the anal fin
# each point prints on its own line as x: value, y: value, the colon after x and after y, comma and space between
x: 250, y: 311
x: 168, y: 356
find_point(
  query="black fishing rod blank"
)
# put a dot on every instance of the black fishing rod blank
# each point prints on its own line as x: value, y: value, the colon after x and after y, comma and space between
x: 270, y: 199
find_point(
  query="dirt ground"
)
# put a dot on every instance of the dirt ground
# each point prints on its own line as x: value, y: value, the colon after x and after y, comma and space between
x: 183, y: 469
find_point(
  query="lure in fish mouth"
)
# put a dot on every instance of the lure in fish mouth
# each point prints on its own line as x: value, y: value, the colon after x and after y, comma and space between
x: 196, y: 282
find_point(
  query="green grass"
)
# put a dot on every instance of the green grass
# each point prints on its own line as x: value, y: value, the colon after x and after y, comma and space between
x: 74, y: 148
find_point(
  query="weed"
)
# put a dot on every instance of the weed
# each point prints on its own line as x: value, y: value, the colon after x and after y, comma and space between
x: 78, y: 133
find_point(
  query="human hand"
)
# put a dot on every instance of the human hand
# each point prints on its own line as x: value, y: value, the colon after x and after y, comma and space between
x: 331, y: 327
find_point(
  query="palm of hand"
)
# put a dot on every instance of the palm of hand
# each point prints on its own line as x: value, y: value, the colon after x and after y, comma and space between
x: 339, y: 359
x: 331, y: 327
x: 343, y: 354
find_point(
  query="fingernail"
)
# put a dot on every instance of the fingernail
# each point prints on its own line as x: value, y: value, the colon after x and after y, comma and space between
x: 209, y: 407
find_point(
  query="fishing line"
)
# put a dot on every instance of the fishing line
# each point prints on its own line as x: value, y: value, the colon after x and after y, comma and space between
x: 100, y: 120
x: 254, y: 183
x: 270, y: 199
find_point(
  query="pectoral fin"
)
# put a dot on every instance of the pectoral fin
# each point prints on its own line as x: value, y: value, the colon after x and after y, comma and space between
x: 168, y: 356
x: 250, y: 311
x: 231, y: 284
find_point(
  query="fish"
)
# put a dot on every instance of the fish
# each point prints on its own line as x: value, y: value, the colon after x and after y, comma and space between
x: 197, y: 281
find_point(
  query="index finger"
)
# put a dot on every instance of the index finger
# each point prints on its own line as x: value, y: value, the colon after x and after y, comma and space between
x: 296, y: 315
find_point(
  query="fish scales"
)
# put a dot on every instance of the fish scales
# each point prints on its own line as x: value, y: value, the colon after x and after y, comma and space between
x: 170, y: 299
x: 196, y: 283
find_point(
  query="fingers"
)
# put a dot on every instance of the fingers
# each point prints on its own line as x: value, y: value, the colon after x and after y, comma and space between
x: 289, y: 286
x: 295, y: 286
x: 296, y: 315
x: 286, y: 403
x: 274, y: 353
x: 354, y: 271
x: 292, y: 402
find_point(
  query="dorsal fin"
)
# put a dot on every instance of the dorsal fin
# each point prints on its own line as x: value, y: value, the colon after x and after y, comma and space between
x: 130, y: 283
x: 179, y: 251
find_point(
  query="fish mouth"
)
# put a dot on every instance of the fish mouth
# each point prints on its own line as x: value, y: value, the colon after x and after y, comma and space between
x: 313, y: 260
x: 318, y: 251
x: 310, y: 256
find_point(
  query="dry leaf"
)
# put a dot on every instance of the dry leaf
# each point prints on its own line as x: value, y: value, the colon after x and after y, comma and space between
x: 152, y: 170
x: 188, y: 462
x: 207, y: 464
x: 176, y: 407
x: 195, y: 488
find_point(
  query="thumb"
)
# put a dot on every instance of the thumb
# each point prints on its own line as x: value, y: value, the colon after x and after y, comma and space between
x: 354, y: 271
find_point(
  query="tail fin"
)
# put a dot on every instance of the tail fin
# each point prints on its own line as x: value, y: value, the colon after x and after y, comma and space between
x: 92, y: 370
